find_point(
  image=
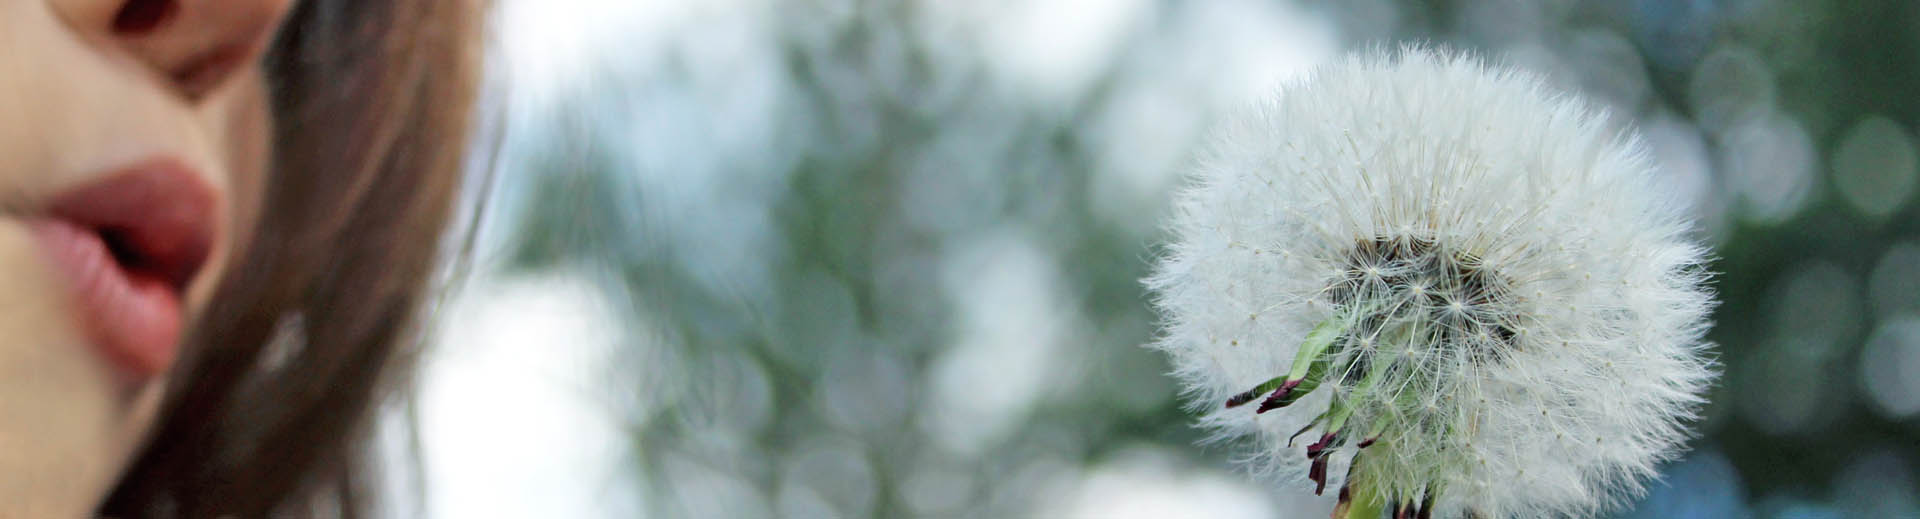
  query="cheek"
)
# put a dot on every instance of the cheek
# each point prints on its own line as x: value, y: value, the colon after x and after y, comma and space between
x: 243, y: 125
x: 249, y: 151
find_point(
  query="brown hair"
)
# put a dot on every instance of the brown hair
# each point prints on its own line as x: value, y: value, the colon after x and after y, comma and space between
x: 269, y: 408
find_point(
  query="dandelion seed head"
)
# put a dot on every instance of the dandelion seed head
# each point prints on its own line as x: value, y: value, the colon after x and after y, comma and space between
x: 1504, y: 288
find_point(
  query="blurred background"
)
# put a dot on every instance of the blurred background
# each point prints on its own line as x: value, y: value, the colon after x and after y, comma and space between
x: 880, y: 258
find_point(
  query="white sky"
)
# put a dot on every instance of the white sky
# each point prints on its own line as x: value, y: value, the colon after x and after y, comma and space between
x: 511, y: 417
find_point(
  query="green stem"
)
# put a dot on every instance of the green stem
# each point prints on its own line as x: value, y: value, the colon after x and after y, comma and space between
x: 1316, y: 343
x: 1366, y: 504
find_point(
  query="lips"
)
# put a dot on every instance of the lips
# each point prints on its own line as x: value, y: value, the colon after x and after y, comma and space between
x: 128, y: 247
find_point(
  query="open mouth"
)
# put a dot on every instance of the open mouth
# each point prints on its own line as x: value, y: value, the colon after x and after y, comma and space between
x: 129, y: 247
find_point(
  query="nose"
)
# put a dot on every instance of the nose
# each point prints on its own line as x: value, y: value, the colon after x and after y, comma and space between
x: 196, y: 46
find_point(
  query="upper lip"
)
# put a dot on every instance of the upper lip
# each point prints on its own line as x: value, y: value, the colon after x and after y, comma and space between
x: 157, y: 218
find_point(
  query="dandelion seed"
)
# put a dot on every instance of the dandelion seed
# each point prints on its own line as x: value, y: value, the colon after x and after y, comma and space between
x: 1476, y: 274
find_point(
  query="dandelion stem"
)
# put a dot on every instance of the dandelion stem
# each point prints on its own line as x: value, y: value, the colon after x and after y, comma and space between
x: 1364, y: 502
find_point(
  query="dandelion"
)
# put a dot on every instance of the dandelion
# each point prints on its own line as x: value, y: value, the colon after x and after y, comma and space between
x: 1456, y: 292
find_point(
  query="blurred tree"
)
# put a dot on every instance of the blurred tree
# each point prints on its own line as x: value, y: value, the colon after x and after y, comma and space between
x: 878, y: 271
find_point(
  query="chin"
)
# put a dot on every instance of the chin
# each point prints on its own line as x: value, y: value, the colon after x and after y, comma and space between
x: 68, y: 420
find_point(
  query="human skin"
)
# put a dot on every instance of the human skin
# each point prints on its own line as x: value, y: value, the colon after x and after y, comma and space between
x: 88, y: 90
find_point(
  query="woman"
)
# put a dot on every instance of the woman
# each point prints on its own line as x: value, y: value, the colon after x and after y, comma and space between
x: 216, y: 219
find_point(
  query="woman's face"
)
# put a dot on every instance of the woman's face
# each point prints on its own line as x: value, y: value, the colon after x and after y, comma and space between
x: 133, y: 145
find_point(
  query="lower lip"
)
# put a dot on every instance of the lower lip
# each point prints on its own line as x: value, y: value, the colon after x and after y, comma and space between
x: 134, y: 319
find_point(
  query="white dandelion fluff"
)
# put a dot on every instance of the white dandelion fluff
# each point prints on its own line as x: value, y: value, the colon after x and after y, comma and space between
x: 1465, y: 293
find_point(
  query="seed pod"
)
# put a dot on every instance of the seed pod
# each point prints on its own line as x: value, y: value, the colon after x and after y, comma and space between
x: 1480, y: 281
